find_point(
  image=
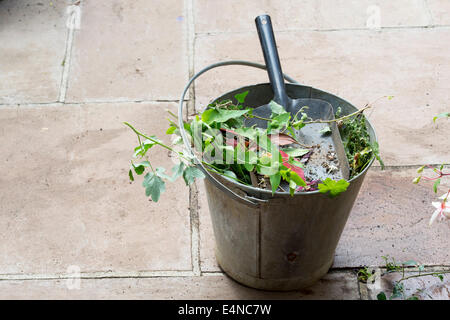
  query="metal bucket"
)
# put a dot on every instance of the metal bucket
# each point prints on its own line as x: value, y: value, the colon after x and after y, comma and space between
x: 277, y: 242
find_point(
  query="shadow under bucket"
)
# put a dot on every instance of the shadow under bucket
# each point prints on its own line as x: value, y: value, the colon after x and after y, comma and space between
x: 278, y: 242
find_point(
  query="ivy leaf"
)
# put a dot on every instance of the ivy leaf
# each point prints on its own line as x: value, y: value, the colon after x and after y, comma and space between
x: 221, y: 115
x: 441, y: 115
x: 240, y: 97
x: 436, y: 184
x: 275, y: 180
x: 296, y: 152
x: 276, y: 108
x: 333, y: 187
x: 381, y: 296
x: 154, y: 186
x: 190, y: 173
x: 280, y: 121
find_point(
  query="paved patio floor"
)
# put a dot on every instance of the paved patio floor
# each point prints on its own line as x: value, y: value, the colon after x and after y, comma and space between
x: 71, y: 72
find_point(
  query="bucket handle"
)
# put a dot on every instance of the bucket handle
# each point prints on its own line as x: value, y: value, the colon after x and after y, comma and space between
x: 248, y: 200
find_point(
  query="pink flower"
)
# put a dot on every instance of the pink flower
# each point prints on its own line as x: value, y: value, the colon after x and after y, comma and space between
x: 442, y: 208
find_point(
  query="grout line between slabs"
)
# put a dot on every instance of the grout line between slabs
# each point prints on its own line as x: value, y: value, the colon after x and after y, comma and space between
x: 193, y: 190
x: 393, y: 28
x: 98, y: 275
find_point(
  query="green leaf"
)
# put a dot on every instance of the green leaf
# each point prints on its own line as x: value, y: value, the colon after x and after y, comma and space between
x: 177, y: 171
x: 441, y: 115
x: 221, y: 115
x: 190, y: 173
x: 276, y: 108
x: 293, y: 176
x: 413, y: 298
x: 240, y: 97
x: 296, y: 152
x: 376, y: 151
x: 420, y: 170
x: 333, y: 187
x: 230, y: 174
x: 435, y: 185
x: 140, y: 167
x: 397, y: 291
x: 154, y: 186
x: 381, y: 296
x: 130, y: 174
x: 325, y: 131
x: 417, y: 180
x: 141, y: 150
x: 275, y: 180
x: 410, y: 263
x: 171, y: 130
x: 440, y: 276
x: 160, y: 172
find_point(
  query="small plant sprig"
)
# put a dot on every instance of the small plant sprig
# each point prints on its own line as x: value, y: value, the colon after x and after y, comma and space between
x: 258, y: 156
x: 442, y: 208
x: 398, y: 290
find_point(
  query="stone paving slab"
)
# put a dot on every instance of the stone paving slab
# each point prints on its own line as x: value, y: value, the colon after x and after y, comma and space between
x: 390, y: 217
x: 360, y: 66
x: 129, y: 51
x: 65, y: 198
x: 440, y: 11
x: 310, y: 14
x: 30, y: 69
x: 424, y: 287
x: 336, y: 285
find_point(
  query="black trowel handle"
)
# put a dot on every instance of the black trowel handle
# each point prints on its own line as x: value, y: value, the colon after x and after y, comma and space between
x: 269, y: 47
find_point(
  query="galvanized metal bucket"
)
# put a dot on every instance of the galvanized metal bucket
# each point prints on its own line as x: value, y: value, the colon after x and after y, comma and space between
x: 276, y: 242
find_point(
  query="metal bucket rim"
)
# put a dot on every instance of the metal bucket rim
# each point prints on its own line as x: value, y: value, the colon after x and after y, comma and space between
x: 254, y: 190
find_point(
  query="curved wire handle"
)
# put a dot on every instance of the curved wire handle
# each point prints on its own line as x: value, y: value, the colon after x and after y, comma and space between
x: 247, y: 199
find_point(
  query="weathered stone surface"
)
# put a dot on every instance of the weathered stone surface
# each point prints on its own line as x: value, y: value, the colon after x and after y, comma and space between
x: 129, y: 51
x: 390, y: 217
x: 65, y: 197
x: 32, y: 36
x: 208, y: 260
x: 440, y: 12
x: 336, y: 285
x: 361, y: 67
x: 310, y: 14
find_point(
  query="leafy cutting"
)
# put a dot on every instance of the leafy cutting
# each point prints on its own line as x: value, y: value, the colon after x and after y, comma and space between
x: 268, y: 158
